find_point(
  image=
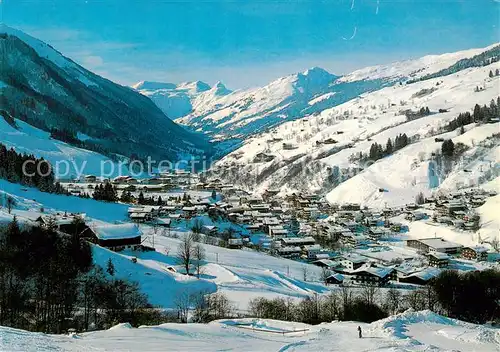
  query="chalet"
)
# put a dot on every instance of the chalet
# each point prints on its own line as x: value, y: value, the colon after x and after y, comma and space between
x: 352, y: 262
x: 253, y: 228
x: 290, y: 251
x: 351, y: 207
x: 164, y: 222
x: 139, y: 217
x: 174, y: 218
x: 475, y: 253
x: 351, y: 239
x: 455, y: 205
x: 325, y: 263
x: 90, y: 178
x: 376, y: 276
x: 335, y: 279
x: 153, y: 181
x: 297, y: 241
x: 260, y: 207
x: 209, y: 230
x: 311, y: 250
x: 375, y: 233
x: 132, y: 181
x: 438, y: 259
x: 435, y: 244
x: 421, y: 277
x: 151, y: 188
x: 235, y: 243
x: 120, y: 180
x: 277, y: 231
x: 310, y: 213
x: 117, y: 237
x: 189, y: 211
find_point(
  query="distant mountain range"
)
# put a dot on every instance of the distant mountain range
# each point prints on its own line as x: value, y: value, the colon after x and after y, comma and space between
x: 51, y: 92
x: 222, y: 113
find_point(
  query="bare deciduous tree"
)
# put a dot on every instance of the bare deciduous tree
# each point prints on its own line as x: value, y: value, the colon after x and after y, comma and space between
x: 305, y: 272
x: 325, y: 273
x: 199, y: 257
x: 393, y: 300
x: 368, y: 293
x: 185, y: 252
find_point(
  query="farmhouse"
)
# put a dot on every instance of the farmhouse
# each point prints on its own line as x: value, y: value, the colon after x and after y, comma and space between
x: 117, y: 237
x: 235, y: 243
x: 297, y: 241
x: 290, y: 252
x: 334, y: 279
x: 352, y: 262
x: 438, y: 259
x: 377, y: 276
x: 421, y: 277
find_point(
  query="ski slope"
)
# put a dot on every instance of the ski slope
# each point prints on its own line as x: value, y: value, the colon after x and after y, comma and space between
x: 409, y: 331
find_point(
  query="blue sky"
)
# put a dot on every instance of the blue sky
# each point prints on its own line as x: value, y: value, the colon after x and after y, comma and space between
x: 249, y: 43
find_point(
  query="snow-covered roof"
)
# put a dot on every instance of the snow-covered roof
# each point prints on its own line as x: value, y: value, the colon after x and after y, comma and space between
x: 337, y: 276
x: 297, y: 240
x: 377, y: 271
x: 119, y: 231
x: 354, y: 258
x: 479, y: 249
x: 426, y: 274
x: 439, y: 243
x: 439, y: 255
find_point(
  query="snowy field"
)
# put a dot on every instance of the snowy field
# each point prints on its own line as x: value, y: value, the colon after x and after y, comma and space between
x: 409, y: 331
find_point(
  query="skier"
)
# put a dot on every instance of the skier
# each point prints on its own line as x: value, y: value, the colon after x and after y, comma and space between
x: 359, y: 331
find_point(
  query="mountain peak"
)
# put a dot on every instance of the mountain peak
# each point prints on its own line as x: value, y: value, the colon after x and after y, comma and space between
x: 316, y: 70
x: 151, y: 85
x: 195, y: 86
x: 220, y: 89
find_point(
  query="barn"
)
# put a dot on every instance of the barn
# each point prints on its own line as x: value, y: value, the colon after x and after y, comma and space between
x: 117, y: 237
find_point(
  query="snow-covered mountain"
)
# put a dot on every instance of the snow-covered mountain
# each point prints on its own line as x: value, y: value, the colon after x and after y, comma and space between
x: 51, y: 92
x: 241, y: 113
x: 308, y: 154
x: 174, y: 100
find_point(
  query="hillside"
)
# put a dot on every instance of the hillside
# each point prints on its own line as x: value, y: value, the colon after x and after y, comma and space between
x: 319, y: 152
x: 409, y: 331
x: 49, y: 91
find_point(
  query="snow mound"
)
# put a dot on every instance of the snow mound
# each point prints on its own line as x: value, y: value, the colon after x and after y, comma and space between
x: 121, y: 326
x: 396, y: 325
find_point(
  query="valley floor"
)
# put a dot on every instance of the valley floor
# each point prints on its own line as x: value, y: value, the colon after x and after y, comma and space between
x: 409, y: 331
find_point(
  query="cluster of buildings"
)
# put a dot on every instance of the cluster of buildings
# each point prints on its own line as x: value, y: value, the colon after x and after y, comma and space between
x: 305, y: 227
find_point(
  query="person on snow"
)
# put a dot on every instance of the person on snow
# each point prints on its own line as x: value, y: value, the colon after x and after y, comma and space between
x: 359, y: 331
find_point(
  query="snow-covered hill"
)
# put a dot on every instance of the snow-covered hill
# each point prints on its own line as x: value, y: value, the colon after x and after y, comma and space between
x: 414, y: 68
x: 49, y: 91
x: 409, y: 331
x: 307, y: 154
